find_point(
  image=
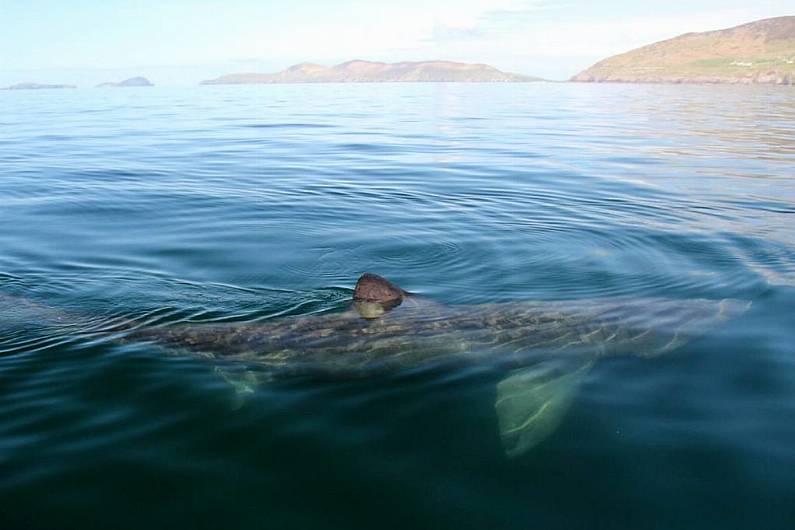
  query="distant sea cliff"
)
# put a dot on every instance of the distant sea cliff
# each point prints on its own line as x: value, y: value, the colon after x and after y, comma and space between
x: 378, y: 72
x: 757, y: 52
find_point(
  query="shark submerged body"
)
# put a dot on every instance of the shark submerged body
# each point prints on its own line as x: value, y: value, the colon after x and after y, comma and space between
x: 545, y: 347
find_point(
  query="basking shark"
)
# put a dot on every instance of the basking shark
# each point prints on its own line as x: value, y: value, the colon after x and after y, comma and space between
x: 546, y: 348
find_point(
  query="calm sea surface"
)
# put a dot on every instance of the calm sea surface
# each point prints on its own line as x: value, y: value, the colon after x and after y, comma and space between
x: 237, y: 204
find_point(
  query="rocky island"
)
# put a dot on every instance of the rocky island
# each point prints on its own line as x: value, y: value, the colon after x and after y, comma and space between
x: 378, y: 72
x: 131, y: 82
x: 35, y: 86
x: 757, y: 52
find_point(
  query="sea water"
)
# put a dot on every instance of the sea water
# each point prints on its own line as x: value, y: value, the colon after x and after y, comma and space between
x: 248, y: 203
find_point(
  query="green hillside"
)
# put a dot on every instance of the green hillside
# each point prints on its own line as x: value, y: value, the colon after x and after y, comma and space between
x: 757, y: 52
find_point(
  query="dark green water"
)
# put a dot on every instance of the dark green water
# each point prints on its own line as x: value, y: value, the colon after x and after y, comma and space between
x: 253, y: 203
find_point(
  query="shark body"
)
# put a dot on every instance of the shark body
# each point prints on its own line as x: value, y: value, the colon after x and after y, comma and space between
x: 545, y: 347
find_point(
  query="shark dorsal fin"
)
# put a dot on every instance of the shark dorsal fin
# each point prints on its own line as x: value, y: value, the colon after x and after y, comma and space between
x: 374, y: 288
x: 374, y: 295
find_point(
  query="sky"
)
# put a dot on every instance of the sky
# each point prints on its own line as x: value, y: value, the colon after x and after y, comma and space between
x: 181, y: 42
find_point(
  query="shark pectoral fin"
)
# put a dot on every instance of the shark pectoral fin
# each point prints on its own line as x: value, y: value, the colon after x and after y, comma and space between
x: 531, y: 403
x: 243, y: 383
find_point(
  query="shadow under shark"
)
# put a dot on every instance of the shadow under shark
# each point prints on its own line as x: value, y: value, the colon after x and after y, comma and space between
x: 547, y: 346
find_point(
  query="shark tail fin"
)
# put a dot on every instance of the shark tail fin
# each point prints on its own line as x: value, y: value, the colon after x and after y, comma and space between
x: 531, y: 403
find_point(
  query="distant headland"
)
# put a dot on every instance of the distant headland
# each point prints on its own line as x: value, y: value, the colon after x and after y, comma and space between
x: 131, y: 82
x: 35, y: 86
x: 757, y: 52
x: 378, y: 72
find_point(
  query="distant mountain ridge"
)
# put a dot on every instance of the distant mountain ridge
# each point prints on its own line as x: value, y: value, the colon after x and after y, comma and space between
x: 36, y: 86
x: 757, y: 52
x: 358, y: 71
x: 131, y: 82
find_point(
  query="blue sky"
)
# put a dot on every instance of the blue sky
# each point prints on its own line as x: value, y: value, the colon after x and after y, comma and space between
x: 184, y: 41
